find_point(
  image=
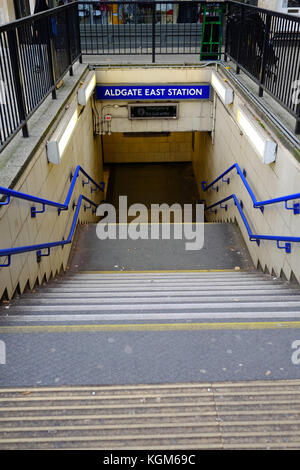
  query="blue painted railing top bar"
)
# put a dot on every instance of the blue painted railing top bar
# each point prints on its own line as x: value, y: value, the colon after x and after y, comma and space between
x: 256, y: 204
x: 45, y: 202
x: 59, y: 206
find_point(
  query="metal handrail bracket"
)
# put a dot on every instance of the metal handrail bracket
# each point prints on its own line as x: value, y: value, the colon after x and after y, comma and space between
x: 8, y: 252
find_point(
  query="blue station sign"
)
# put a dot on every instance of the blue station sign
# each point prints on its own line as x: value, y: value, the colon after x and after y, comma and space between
x: 153, y: 92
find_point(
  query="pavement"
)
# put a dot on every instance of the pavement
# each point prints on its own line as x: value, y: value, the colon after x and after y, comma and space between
x: 73, y: 356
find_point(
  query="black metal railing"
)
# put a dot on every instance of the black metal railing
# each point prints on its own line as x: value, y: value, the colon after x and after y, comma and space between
x: 35, y: 53
x: 266, y: 46
x: 149, y: 27
x: 263, y: 43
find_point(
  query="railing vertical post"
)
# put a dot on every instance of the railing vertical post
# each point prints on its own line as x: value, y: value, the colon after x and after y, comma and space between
x: 78, y: 31
x: 297, y: 127
x: 225, y: 19
x: 69, y: 43
x: 153, y: 31
x: 50, y: 57
x: 237, y: 70
x: 17, y: 77
x: 264, y: 55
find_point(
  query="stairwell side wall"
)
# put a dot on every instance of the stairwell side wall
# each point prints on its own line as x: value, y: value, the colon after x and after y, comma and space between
x: 46, y: 180
x: 215, y: 153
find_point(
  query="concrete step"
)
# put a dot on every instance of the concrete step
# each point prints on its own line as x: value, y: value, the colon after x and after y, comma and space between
x: 166, y: 299
x: 135, y: 281
x: 222, y: 292
x: 84, y: 315
x: 162, y: 274
x: 131, y: 275
x: 60, y: 305
x: 140, y: 297
x: 54, y: 291
x: 161, y: 277
x: 168, y: 283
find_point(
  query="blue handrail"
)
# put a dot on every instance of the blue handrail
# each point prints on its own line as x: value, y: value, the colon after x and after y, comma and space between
x: 257, y: 204
x: 8, y: 252
x: 46, y: 202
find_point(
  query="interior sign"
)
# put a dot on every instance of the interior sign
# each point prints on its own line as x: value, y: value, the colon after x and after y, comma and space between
x: 150, y: 92
x: 153, y: 111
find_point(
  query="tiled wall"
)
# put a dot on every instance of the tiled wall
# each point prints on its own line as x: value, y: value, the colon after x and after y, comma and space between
x: 48, y: 181
x: 175, y: 147
x: 193, y: 115
x: 267, y: 181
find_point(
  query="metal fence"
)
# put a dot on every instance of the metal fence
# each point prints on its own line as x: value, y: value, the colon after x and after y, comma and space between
x: 266, y: 46
x: 35, y: 53
x: 149, y: 27
x: 263, y: 43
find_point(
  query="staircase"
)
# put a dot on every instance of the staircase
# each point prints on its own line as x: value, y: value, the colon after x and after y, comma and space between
x: 157, y: 296
x: 144, y: 345
x: 152, y: 359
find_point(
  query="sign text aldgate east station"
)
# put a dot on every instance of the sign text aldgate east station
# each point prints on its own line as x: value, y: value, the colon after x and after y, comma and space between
x: 158, y: 91
x: 155, y: 92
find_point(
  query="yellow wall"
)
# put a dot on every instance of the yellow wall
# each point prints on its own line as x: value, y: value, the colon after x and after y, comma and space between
x: 175, y: 147
x: 49, y: 181
x: 193, y: 115
x: 212, y: 157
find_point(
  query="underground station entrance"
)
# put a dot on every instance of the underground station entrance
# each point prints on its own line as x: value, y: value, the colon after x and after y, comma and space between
x: 149, y: 222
